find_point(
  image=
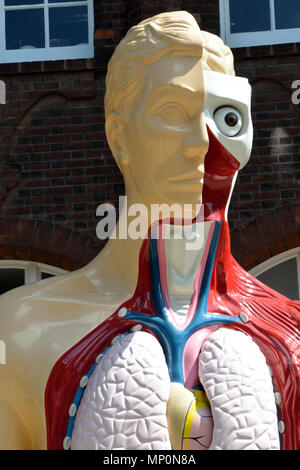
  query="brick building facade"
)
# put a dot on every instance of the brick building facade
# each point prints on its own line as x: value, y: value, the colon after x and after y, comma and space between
x: 56, y: 167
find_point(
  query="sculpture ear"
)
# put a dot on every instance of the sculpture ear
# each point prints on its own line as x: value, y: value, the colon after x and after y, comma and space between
x: 115, y: 138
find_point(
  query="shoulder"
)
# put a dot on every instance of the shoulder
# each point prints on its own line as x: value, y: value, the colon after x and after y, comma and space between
x: 44, y: 297
x: 39, y: 322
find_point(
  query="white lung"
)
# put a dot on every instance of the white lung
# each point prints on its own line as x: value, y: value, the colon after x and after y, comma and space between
x: 238, y: 384
x: 125, y: 401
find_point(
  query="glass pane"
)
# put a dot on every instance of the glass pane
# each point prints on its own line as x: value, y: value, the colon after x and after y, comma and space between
x: 249, y: 15
x: 46, y: 275
x: 68, y: 26
x: 287, y: 14
x: 64, y: 1
x: 283, y: 278
x: 9, y: 3
x: 25, y: 29
x: 11, y: 278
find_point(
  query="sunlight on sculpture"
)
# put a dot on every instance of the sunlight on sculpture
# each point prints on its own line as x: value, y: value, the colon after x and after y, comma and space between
x: 152, y: 346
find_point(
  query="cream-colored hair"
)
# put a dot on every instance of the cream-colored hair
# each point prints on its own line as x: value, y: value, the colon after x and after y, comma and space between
x: 173, y: 32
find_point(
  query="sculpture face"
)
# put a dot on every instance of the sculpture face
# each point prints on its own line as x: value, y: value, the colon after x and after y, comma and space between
x: 166, y: 138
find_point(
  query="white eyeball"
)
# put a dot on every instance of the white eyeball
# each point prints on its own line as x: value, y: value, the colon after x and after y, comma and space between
x: 228, y: 120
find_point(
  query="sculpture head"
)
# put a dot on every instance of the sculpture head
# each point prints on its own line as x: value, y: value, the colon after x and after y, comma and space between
x: 166, y: 82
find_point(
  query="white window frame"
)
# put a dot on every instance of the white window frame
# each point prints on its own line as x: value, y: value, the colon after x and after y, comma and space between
x: 32, y: 271
x: 278, y: 259
x: 81, y: 51
x: 257, y: 38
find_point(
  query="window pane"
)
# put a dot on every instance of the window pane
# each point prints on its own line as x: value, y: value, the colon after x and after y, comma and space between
x: 9, y: 3
x: 68, y: 26
x: 287, y: 14
x: 249, y: 15
x: 11, y: 278
x: 25, y: 29
x: 46, y: 275
x: 283, y: 278
x: 64, y: 1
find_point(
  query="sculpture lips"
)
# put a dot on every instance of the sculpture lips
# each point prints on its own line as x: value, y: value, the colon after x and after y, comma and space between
x: 193, y: 177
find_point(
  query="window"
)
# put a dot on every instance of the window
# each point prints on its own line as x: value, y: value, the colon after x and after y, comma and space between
x: 16, y: 273
x: 281, y: 273
x: 32, y: 30
x: 259, y: 22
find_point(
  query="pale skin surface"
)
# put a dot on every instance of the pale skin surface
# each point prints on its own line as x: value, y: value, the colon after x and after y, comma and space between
x: 40, y: 322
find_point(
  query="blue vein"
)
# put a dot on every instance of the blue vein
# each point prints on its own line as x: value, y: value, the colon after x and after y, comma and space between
x: 172, y: 339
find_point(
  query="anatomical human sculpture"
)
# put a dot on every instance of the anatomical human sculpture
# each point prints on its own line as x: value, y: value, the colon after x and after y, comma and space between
x: 174, y: 348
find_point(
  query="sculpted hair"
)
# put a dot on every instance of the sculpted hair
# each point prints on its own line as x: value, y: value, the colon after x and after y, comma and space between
x: 174, y: 32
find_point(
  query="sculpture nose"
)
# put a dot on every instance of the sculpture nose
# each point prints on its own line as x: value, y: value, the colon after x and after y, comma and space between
x: 197, y: 142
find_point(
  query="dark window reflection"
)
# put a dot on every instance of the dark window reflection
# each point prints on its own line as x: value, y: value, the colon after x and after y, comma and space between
x: 25, y: 29
x: 249, y: 15
x: 63, y: 1
x: 68, y: 26
x: 46, y: 275
x: 287, y: 14
x: 9, y: 3
x: 10, y: 278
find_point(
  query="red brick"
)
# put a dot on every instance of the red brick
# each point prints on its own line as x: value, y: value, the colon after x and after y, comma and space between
x: 24, y: 234
x: 7, y: 238
x: 73, y: 250
x: 40, y: 241
x: 104, y: 33
x: 240, y: 248
x: 57, y: 243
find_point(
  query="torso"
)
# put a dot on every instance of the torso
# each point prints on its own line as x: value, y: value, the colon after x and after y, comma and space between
x: 41, y: 322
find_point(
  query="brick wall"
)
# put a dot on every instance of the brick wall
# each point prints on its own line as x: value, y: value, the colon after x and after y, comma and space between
x: 271, y: 178
x: 56, y: 167
x: 55, y: 163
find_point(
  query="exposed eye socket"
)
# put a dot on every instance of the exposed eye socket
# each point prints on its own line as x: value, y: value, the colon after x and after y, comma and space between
x: 228, y: 120
x: 173, y: 113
